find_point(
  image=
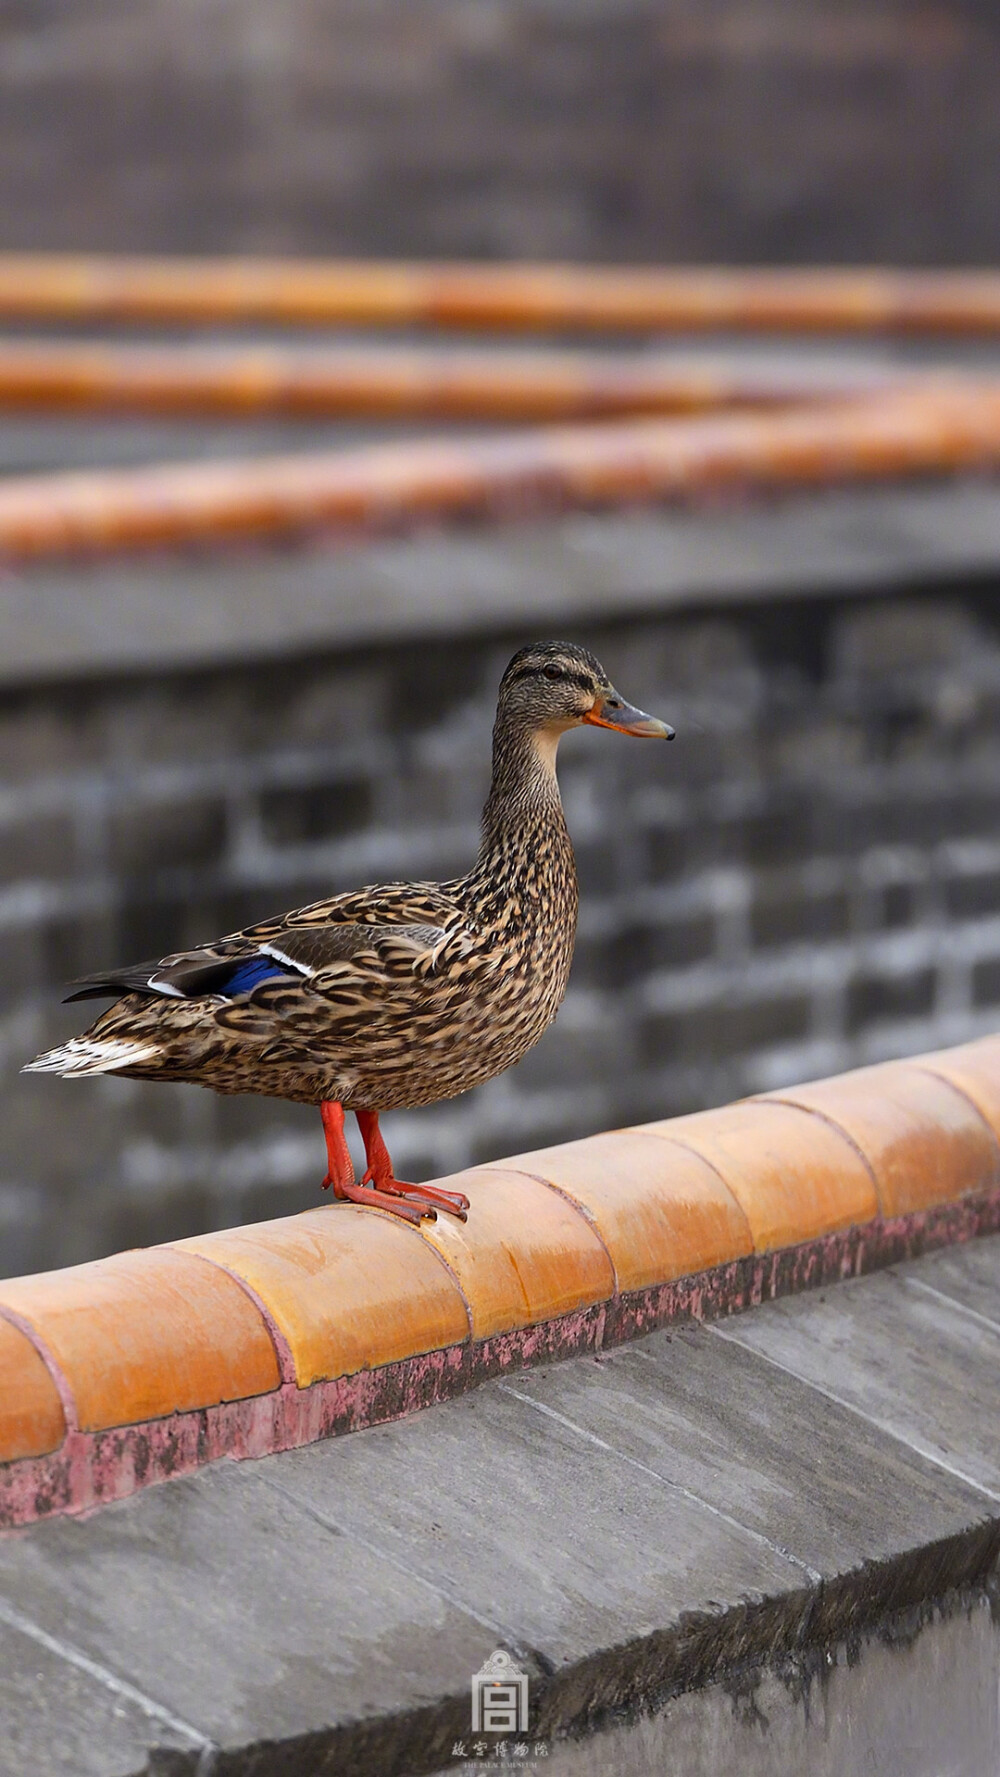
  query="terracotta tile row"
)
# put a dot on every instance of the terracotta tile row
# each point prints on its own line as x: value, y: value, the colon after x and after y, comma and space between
x: 146, y: 1333
x: 941, y: 427
x: 339, y: 1290
x: 518, y: 297
x: 346, y: 1290
x: 32, y: 1420
x: 396, y: 382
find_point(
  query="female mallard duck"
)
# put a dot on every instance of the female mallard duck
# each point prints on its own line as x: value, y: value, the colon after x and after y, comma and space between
x: 390, y: 996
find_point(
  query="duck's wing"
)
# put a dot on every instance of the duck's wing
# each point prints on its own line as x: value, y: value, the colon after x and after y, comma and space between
x: 381, y: 904
x: 367, y: 935
x: 338, y: 976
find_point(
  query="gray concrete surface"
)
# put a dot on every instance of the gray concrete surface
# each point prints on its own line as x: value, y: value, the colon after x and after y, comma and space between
x: 741, y: 1546
x: 913, y: 1359
x: 149, y: 611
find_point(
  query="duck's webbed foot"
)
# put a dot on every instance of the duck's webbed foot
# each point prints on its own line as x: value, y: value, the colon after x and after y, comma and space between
x: 426, y: 1199
x: 341, y: 1172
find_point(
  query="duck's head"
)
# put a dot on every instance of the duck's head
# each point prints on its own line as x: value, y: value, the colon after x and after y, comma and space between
x: 551, y: 686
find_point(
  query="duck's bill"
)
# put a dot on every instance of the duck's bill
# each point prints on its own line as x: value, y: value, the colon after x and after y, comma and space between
x: 625, y: 719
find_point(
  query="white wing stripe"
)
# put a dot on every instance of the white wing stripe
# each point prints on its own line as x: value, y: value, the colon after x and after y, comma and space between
x: 289, y: 961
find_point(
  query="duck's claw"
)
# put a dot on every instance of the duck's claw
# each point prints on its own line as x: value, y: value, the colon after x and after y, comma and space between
x: 427, y: 1197
x: 455, y: 1202
x: 369, y: 1198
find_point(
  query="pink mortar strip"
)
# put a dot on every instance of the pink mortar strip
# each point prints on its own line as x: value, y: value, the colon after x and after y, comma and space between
x: 93, y: 1468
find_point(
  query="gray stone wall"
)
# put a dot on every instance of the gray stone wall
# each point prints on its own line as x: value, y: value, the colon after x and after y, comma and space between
x: 808, y: 878
x: 650, y: 129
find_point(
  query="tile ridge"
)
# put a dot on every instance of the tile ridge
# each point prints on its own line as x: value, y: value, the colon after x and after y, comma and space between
x: 574, y: 1203
x: 59, y: 1379
x: 809, y: 1110
x: 429, y: 1246
x: 921, y: 1064
x: 677, y: 1142
x: 282, y: 1349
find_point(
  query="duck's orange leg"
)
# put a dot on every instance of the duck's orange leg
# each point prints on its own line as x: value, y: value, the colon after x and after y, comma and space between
x: 381, y: 1175
x: 341, y: 1170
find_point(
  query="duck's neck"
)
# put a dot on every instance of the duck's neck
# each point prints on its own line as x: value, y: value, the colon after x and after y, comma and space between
x: 524, y: 794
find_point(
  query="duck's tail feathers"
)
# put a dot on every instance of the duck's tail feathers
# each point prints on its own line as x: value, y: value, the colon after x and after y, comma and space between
x: 92, y: 1055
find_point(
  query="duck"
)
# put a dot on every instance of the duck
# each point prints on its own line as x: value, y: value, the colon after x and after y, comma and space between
x: 392, y: 996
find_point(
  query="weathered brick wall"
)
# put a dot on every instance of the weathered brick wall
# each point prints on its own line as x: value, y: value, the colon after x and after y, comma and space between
x: 808, y: 878
x: 663, y: 129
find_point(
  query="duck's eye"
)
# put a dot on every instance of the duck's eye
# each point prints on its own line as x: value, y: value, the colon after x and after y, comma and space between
x: 552, y: 672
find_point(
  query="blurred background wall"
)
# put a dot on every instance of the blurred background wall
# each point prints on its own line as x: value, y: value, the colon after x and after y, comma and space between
x: 733, y: 130
x: 807, y: 879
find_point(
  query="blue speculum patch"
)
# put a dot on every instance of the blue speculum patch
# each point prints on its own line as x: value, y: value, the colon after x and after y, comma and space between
x: 250, y: 973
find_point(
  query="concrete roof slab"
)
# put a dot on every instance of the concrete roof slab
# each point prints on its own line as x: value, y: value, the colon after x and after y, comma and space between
x: 567, y: 1547
x: 970, y: 1275
x: 239, y: 1612
x: 761, y: 1446
x: 58, y: 1718
x: 611, y: 1522
x: 913, y: 1363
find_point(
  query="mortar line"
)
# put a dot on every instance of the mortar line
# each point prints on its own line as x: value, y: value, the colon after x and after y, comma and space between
x: 665, y: 1481
x: 921, y: 1067
x: 282, y: 1349
x: 119, y: 1687
x: 820, y: 1388
x: 429, y: 1246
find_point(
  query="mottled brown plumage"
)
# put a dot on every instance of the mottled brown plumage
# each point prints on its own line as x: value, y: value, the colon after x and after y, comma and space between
x: 395, y: 995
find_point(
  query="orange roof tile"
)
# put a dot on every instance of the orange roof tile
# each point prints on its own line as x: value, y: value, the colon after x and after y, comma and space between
x: 146, y: 1333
